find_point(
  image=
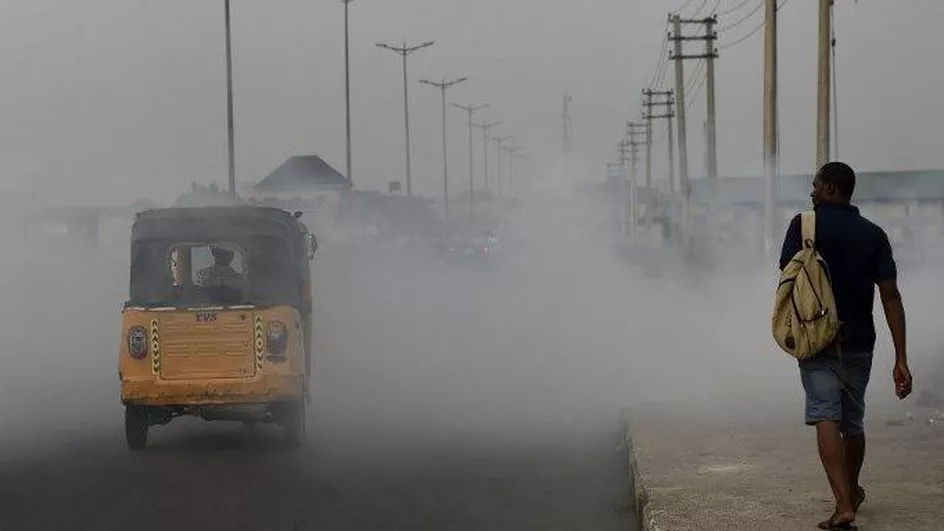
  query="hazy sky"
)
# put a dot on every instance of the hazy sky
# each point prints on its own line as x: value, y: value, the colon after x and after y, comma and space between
x: 127, y: 97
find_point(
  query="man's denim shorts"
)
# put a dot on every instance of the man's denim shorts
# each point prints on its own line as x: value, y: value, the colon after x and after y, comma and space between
x: 835, y: 388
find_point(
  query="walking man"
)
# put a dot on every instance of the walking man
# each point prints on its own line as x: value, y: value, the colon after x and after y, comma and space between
x: 859, y: 257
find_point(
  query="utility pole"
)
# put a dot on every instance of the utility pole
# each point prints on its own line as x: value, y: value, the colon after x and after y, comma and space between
x: 230, y: 129
x: 684, y: 183
x: 669, y: 113
x: 634, y: 191
x: 770, y: 126
x: 517, y: 155
x: 347, y: 86
x: 470, y: 110
x: 405, y: 51
x: 509, y: 152
x: 512, y: 154
x: 485, y: 127
x: 567, y: 133
x: 500, y: 142
x: 647, y: 117
x: 710, y: 54
x: 623, y: 147
x: 633, y: 131
x: 633, y: 147
x: 443, y: 86
x: 822, y: 107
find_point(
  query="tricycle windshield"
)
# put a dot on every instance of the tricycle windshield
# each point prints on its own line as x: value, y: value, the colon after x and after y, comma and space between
x: 259, y: 271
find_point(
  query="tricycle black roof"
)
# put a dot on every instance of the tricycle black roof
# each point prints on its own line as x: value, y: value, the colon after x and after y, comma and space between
x: 215, y: 222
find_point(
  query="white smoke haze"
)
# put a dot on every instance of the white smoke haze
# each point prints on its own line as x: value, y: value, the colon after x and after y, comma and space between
x: 121, y: 101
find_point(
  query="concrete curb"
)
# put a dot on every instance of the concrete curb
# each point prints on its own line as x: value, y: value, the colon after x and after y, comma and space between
x: 645, y: 513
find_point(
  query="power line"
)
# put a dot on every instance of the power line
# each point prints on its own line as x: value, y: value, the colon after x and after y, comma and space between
x: 694, y: 93
x: 752, y: 32
x: 662, y: 62
x: 702, y: 6
x: 733, y: 9
x: 743, y: 19
x: 685, y: 5
x: 742, y: 39
x: 699, y: 70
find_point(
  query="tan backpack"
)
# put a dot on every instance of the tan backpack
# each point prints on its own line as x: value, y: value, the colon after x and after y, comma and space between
x: 805, y: 321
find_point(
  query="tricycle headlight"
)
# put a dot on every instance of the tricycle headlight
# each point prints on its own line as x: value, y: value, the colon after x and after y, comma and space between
x: 137, y: 342
x: 276, y: 337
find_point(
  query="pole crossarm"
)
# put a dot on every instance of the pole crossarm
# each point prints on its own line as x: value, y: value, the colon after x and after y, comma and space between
x: 702, y: 56
x: 712, y: 37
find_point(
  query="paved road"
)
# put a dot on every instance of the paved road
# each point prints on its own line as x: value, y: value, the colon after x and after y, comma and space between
x: 434, y: 409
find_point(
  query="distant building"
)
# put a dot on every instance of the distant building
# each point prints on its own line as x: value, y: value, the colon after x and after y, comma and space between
x: 305, y: 177
x: 908, y: 204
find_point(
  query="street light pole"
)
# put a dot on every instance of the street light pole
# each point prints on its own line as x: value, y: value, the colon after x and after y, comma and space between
x: 513, y: 153
x: 443, y: 86
x: 485, y: 127
x: 470, y: 110
x: 229, y: 106
x: 500, y: 142
x: 404, y: 51
x: 347, y: 86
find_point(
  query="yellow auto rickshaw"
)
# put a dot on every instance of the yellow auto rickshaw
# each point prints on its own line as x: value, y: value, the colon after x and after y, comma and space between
x: 218, y: 320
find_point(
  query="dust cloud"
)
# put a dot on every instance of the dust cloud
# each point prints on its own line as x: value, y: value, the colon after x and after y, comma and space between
x: 552, y: 338
x: 422, y: 373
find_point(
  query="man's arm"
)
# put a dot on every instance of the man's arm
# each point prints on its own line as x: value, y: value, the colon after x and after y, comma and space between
x: 895, y: 315
x: 885, y: 277
x: 792, y: 242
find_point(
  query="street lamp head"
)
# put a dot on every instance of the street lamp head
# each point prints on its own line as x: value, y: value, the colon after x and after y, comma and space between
x: 443, y: 84
x: 486, y: 125
x: 456, y: 81
x: 470, y: 108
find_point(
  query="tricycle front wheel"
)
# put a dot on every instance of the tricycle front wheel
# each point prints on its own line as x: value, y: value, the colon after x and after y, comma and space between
x: 136, y: 427
x: 294, y: 423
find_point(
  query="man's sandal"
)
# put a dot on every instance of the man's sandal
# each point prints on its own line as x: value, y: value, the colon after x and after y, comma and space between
x: 830, y: 524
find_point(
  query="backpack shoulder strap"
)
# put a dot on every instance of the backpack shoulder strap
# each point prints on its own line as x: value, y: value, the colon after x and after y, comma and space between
x: 808, y: 229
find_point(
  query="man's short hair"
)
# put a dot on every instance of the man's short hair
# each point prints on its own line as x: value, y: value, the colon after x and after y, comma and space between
x: 839, y: 175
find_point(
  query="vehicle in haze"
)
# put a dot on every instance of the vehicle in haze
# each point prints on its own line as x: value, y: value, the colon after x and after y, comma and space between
x: 478, y: 247
x: 218, y: 320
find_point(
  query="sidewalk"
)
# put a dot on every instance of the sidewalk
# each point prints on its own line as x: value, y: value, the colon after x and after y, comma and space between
x: 760, y: 470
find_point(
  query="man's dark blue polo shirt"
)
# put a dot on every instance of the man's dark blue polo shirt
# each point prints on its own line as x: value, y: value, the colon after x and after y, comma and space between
x: 859, y: 256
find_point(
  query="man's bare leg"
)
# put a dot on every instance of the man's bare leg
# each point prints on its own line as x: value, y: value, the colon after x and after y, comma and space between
x: 833, y: 455
x: 855, y: 455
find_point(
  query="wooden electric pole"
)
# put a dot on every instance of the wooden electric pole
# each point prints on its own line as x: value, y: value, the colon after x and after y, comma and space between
x: 709, y: 55
x: 669, y: 114
x: 633, y: 131
x: 685, y: 185
x: 770, y: 127
x: 822, y: 107
x: 623, y: 147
